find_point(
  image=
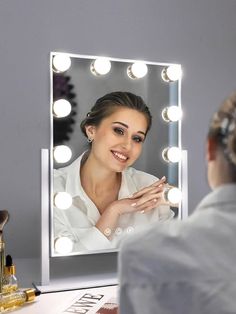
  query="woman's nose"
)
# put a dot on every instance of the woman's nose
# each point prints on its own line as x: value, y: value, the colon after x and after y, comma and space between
x: 127, y: 143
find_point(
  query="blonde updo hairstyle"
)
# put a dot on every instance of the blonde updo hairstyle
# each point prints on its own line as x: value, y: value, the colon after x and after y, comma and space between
x: 223, y: 131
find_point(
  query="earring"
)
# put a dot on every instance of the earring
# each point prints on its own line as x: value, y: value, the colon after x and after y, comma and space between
x: 89, y: 140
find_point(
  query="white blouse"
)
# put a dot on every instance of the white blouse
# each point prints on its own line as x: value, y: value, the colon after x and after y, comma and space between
x: 184, y: 267
x: 78, y: 222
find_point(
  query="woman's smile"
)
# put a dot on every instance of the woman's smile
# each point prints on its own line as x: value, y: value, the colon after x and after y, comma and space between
x: 120, y: 156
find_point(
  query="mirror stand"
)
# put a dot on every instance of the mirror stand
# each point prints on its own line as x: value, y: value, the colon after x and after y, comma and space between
x: 45, y: 234
x: 184, y: 184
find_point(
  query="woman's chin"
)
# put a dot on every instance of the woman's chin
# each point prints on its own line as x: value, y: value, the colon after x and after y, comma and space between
x: 119, y: 167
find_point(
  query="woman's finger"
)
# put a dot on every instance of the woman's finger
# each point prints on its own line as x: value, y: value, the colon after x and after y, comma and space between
x: 150, y: 197
x: 149, y: 188
x: 161, y: 181
x: 148, y: 207
x: 152, y: 190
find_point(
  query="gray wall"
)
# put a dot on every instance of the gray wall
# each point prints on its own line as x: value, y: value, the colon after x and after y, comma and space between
x: 201, y: 35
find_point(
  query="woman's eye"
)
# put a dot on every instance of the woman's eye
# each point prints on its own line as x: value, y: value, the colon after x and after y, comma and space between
x: 119, y: 131
x: 138, y: 139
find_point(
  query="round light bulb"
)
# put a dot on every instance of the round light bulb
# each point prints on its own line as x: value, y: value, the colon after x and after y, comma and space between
x: 171, y: 114
x: 172, y: 73
x: 61, y: 62
x: 173, y: 195
x: 137, y: 70
x: 62, y: 200
x: 172, y: 154
x: 61, y: 108
x: 100, y: 66
x: 62, y: 153
x: 63, y: 245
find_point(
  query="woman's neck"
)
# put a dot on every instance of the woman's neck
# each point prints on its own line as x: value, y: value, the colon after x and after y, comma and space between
x: 96, y: 179
x: 221, y: 172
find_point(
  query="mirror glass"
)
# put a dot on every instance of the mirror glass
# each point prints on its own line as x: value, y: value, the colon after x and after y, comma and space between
x: 79, y: 82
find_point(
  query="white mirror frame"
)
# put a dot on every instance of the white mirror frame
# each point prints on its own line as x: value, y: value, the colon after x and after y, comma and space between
x: 46, y: 171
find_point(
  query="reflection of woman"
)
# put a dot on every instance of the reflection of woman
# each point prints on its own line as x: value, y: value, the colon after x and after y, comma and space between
x: 103, y: 185
x: 195, y: 273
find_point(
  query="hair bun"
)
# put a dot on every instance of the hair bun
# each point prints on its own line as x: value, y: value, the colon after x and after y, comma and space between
x: 228, y: 131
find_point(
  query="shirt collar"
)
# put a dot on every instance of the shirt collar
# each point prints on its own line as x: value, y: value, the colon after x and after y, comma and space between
x: 127, y: 186
x: 225, y: 193
x: 73, y: 182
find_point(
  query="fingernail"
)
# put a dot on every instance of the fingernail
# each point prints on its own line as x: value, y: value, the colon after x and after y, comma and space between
x: 163, y: 178
x: 154, y: 200
x: 130, y: 195
x: 133, y: 204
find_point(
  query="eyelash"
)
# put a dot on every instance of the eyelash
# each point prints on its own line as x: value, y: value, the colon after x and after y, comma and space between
x: 138, y: 139
x: 120, y: 131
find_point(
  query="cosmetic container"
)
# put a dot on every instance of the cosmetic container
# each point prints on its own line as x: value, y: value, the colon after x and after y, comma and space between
x: 4, y: 217
x: 9, y: 281
x: 15, y: 299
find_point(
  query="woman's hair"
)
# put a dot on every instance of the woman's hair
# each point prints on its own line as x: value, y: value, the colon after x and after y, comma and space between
x: 107, y: 104
x: 223, y: 130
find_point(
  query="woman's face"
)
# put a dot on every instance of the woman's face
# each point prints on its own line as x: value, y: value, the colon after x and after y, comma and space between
x: 118, y: 140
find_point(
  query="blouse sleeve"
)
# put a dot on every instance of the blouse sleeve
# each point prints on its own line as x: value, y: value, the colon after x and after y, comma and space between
x: 163, y: 212
x: 86, y: 237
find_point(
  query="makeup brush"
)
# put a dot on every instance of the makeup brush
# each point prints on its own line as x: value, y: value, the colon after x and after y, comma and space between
x: 4, y: 217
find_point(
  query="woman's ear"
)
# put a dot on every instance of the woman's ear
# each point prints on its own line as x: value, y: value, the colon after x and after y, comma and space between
x: 211, y: 149
x: 90, y: 131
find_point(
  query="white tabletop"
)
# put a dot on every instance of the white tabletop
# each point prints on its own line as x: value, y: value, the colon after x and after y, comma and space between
x: 60, y: 302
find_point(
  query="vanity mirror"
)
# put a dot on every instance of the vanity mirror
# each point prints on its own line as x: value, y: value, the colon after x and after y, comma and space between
x: 77, y: 82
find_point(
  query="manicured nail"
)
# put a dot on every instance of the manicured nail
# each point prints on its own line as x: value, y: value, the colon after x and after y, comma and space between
x: 134, y: 204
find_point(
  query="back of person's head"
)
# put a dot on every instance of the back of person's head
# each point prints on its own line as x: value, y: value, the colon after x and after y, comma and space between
x: 107, y: 105
x: 223, y: 131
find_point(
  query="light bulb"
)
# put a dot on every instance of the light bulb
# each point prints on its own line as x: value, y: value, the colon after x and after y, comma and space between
x: 61, y: 108
x: 61, y: 62
x: 172, y: 195
x: 172, y: 154
x: 172, y: 73
x: 63, y: 245
x: 62, y: 153
x: 100, y: 66
x: 171, y: 114
x: 62, y: 200
x: 137, y: 70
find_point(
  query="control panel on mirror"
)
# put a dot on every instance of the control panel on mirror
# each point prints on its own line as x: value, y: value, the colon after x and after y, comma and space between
x: 115, y: 150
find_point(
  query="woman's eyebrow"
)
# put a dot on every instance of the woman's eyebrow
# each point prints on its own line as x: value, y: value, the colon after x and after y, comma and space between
x: 126, y: 126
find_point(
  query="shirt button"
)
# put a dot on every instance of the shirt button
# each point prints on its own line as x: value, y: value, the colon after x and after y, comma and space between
x: 118, y: 231
x: 130, y: 229
x: 107, y: 232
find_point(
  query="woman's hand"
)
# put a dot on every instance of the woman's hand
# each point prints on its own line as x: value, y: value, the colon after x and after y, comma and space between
x: 144, y: 200
x: 151, y: 189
